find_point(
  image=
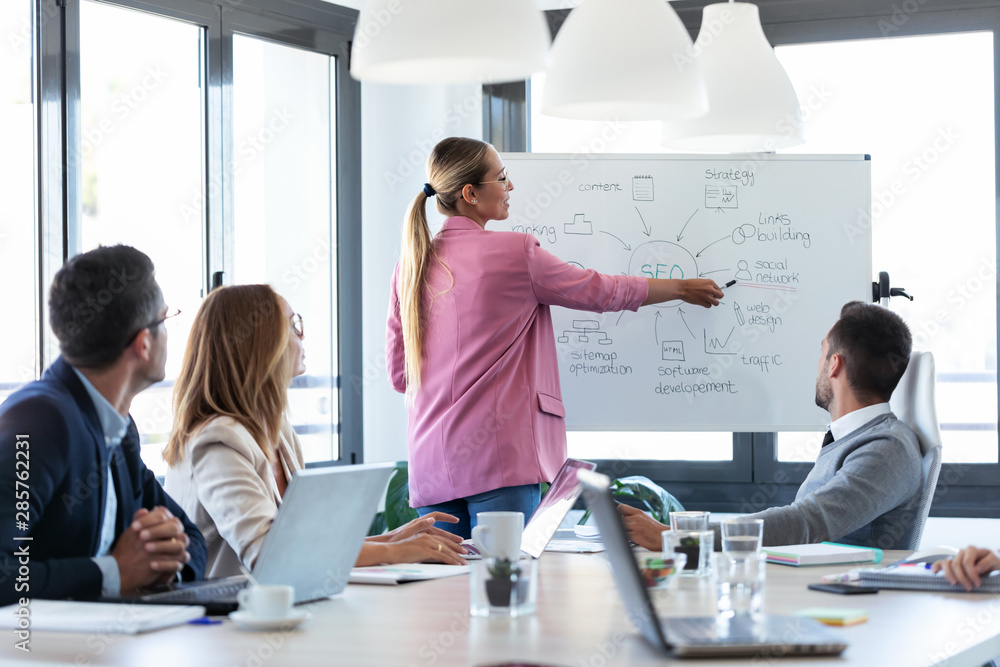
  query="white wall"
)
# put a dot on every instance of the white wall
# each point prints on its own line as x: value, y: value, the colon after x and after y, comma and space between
x: 399, y: 126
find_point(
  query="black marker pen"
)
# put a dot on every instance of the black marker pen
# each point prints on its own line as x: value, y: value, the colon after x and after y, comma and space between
x: 729, y: 284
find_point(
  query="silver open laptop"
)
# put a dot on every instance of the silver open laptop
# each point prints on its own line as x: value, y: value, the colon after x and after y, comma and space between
x: 766, y: 638
x: 312, y: 543
x: 547, y: 517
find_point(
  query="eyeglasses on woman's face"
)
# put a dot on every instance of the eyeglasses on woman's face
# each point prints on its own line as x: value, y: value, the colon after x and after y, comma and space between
x: 503, y: 179
x: 297, y: 327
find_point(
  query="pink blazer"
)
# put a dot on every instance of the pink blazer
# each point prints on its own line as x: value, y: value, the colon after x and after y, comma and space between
x: 489, y: 412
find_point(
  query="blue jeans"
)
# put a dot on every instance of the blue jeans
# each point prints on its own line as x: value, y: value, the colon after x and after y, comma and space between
x: 522, y: 499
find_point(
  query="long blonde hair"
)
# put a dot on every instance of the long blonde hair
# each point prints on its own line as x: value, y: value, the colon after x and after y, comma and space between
x: 236, y: 364
x: 454, y: 163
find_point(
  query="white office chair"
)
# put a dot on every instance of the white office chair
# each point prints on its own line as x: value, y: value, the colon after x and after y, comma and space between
x: 913, y: 404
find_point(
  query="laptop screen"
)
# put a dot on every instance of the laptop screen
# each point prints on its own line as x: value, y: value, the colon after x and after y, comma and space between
x: 555, y: 505
x: 638, y: 605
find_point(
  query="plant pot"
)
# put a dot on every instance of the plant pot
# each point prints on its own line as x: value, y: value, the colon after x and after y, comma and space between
x: 498, y: 591
x: 692, y: 552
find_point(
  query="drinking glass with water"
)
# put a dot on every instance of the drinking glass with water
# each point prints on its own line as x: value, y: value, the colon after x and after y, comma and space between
x: 739, y: 583
x: 742, y: 535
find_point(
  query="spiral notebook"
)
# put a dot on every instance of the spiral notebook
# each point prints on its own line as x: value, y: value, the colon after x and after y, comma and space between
x: 914, y: 578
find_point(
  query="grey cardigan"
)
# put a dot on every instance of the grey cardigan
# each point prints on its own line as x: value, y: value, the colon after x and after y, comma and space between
x: 864, y: 489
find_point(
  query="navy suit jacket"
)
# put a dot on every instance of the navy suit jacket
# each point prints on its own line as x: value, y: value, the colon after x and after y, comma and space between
x: 66, y: 462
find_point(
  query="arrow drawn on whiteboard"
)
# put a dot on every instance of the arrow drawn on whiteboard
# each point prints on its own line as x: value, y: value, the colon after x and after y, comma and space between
x: 681, y: 313
x: 645, y: 229
x: 620, y: 318
x: 705, y: 273
x: 686, y: 224
x: 710, y: 245
x: 627, y: 246
x: 656, y: 332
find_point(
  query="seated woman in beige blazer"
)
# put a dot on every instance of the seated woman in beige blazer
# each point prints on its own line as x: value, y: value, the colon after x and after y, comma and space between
x: 232, y: 449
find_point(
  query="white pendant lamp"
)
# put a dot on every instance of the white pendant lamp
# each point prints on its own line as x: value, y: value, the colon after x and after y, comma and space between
x: 623, y: 60
x: 449, y: 41
x: 752, y: 104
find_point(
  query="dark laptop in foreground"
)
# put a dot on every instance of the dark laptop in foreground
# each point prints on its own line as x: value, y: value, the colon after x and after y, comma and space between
x: 312, y: 544
x: 545, y: 521
x: 767, y: 637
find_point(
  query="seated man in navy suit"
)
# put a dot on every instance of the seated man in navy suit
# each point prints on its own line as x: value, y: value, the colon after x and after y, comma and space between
x: 82, y: 516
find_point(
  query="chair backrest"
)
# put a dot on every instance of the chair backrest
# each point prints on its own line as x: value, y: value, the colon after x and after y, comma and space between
x: 913, y: 404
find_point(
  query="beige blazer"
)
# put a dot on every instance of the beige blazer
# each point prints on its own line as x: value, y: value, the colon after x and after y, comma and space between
x: 226, y: 486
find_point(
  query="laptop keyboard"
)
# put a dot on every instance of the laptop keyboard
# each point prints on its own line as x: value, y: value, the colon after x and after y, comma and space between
x: 200, y: 594
x: 693, y: 629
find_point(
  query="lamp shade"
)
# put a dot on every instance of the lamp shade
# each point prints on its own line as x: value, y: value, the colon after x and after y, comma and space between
x: 623, y: 60
x: 752, y: 104
x: 449, y: 41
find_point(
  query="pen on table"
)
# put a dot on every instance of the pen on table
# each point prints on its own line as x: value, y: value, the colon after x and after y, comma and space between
x: 729, y: 284
x: 923, y: 566
x: 853, y: 575
x: 205, y: 620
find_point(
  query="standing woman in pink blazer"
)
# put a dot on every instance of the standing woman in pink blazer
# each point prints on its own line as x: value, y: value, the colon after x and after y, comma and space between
x: 470, y: 340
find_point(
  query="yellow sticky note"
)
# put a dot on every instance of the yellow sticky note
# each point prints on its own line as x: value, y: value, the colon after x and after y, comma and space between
x: 835, y: 616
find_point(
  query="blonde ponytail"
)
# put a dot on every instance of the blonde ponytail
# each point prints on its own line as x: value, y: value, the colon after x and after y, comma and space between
x: 452, y: 164
x: 415, y: 253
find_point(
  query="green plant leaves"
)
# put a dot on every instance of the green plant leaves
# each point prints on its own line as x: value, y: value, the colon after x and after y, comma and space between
x: 397, y: 503
x: 652, y: 496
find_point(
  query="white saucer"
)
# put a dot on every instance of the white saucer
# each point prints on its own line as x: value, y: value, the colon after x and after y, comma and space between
x: 247, y: 621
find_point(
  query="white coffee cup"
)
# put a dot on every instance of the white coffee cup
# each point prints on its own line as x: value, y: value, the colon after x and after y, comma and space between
x: 498, y: 534
x: 269, y: 601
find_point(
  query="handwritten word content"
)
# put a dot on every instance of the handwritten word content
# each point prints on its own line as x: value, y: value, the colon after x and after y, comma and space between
x: 600, y: 187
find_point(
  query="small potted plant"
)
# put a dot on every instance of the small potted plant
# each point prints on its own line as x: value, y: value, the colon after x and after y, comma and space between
x: 692, y: 549
x: 504, y: 579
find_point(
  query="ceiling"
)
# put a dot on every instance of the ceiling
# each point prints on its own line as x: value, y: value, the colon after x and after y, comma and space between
x: 544, y: 4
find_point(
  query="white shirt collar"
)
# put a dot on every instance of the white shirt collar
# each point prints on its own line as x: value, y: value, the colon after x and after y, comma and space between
x: 852, y: 421
x: 113, y: 425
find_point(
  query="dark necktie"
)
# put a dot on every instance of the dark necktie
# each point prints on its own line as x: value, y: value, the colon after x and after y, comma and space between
x: 828, y: 438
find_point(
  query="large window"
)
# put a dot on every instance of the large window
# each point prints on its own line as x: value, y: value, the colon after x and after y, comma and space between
x: 17, y: 186
x: 285, y: 227
x: 931, y: 137
x: 141, y: 150
x: 207, y: 134
x: 916, y: 90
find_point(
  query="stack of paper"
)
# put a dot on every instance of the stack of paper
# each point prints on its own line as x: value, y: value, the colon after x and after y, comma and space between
x: 397, y: 574
x: 833, y: 616
x: 824, y: 553
x: 101, y: 617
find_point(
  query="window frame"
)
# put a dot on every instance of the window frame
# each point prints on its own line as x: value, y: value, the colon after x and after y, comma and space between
x: 307, y: 24
x: 968, y: 490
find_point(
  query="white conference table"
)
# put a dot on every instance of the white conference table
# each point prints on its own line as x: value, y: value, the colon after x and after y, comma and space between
x: 580, y: 622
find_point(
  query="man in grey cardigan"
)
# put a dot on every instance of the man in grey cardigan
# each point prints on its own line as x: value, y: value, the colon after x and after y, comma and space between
x: 865, y: 486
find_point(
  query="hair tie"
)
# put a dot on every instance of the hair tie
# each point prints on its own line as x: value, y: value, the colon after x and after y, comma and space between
x: 428, y: 190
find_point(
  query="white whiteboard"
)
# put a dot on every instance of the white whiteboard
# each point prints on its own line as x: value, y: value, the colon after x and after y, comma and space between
x: 793, y: 230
